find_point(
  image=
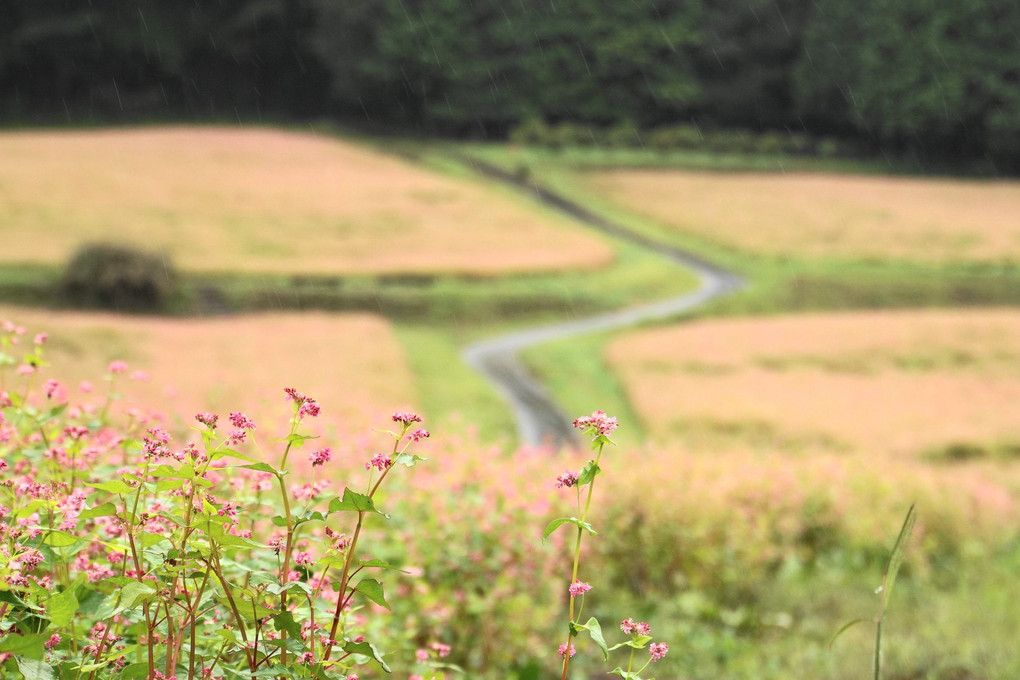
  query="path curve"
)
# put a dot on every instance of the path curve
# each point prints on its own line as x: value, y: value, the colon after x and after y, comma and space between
x: 539, y: 420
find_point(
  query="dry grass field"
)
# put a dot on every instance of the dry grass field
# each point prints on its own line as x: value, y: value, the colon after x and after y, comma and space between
x: 351, y: 363
x: 818, y: 215
x: 261, y: 200
x: 906, y: 384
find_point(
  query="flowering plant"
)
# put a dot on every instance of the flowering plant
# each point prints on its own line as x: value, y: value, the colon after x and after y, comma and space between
x: 599, y: 426
x: 126, y: 554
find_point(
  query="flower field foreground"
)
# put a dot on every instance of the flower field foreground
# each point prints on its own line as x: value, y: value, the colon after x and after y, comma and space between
x: 133, y: 550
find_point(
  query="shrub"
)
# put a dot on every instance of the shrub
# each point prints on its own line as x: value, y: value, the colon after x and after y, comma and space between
x: 120, y: 278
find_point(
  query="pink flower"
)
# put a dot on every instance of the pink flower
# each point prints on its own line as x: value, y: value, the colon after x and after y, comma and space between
x: 379, y: 461
x: 642, y: 628
x: 627, y: 626
x: 440, y: 649
x: 598, y: 423
x: 241, y: 421
x: 117, y: 367
x: 406, y: 418
x: 563, y: 650
x: 567, y: 479
x: 52, y: 642
x: 422, y: 655
x: 319, y: 457
x: 578, y: 588
x: 140, y: 376
x: 207, y: 419
x: 418, y: 435
x: 85, y: 386
x: 40, y: 339
x: 658, y: 650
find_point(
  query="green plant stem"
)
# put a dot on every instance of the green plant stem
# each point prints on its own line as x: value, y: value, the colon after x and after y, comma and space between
x: 577, y: 558
x: 878, y: 648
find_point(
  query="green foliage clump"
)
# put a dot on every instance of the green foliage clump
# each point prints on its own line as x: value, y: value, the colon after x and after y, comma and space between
x: 119, y: 278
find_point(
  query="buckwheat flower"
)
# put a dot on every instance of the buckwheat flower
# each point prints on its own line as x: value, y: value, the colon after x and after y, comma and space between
x: 642, y: 628
x: 597, y: 423
x: 567, y: 479
x: 306, y: 659
x: 564, y: 649
x: 418, y: 435
x: 353, y: 676
x: 5, y: 400
x: 117, y: 367
x: 578, y: 588
x: 319, y: 457
x: 52, y: 642
x: 26, y: 369
x: 422, y: 655
x: 40, y: 339
x: 379, y: 461
x: 241, y: 421
x: 139, y: 376
x: 338, y: 542
x: 309, y: 408
x: 85, y: 386
x: 658, y: 650
x: 52, y: 386
x: 406, y: 418
x: 76, y: 431
x: 277, y: 543
x: 440, y: 649
x: 237, y: 437
x: 627, y: 626
x: 302, y: 557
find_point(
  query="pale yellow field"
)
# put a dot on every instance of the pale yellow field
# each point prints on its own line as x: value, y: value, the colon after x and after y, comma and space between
x: 876, y: 383
x: 351, y: 363
x: 931, y: 220
x: 261, y: 200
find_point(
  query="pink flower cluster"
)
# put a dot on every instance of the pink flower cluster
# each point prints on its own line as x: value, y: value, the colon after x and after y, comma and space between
x: 406, y: 418
x: 306, y: 406
x: 578, y: 588
x: 598, y: 423
x: 567, y: 479
x: 317, y: 458
x: 563, y: 650
x: 380, y: 461
x: 658, y: 650
x: 630, y: 627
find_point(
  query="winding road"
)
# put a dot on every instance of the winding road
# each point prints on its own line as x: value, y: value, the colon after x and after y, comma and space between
x: 539, y: 420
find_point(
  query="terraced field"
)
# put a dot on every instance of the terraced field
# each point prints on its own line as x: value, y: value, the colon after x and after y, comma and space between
x: 821, y: 215
x: 259, y: 200
x: 905, y: 383
x: 351, y: 363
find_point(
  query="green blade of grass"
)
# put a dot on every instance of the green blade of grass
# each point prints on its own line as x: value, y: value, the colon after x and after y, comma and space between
x: 896, y: 559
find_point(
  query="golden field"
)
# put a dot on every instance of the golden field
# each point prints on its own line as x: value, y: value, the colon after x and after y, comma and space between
x: 890, y: 383
x: 818, y: 215
x: 261, y: 200
x: 351, y: 363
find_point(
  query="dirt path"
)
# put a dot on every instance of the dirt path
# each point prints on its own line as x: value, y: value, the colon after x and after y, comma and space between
x: 539, y: 419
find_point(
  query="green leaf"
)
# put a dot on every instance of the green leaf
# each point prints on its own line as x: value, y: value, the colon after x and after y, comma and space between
x: 104, y: 510
x: 221, y: 453
x: 595, y: 631
x: 284, y: 621
x: 115, y: 486
x: 366, y: 649
x: 354, y: 501
x: 30, y: 646
x: 381, y: 564
x: 59, y: 539
x: 373, y: 590
x: 61, y: 608
x: 263, y: 467
x: 588, y: 472
x: 125, y: 598
x: 297, y: 440
x: 557, y: 523
x: 844, y: 629
x: 135, y: 671
x: 408, y: 459
x: 35, y: 669
x: 274, y: 671
x: 896, y: 559
x: 624, y: 674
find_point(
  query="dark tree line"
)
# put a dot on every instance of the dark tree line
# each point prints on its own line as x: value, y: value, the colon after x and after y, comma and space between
x: 938, y: 76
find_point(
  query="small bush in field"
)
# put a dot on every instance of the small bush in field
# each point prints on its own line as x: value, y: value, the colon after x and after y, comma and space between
x: 119, y: 278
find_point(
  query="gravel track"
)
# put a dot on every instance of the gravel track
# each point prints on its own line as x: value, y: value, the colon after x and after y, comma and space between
x: 540, y: 421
